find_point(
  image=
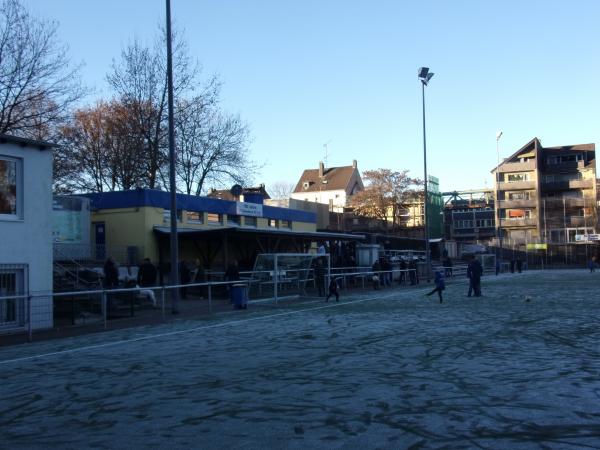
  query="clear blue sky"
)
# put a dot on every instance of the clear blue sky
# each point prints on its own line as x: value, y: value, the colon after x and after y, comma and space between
x: 306, y: 72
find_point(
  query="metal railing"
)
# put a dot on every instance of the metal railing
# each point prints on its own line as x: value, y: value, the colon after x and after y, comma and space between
x: 99, y: 306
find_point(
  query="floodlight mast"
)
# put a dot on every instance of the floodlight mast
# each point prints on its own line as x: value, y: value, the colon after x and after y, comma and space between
x: 425, y: 76
x: 497, y: 200
x: 174, y: 277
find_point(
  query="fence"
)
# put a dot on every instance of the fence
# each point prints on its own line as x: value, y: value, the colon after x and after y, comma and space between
x: 96, y: 309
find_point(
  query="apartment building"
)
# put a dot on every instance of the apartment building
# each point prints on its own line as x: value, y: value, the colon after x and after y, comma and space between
x: 547, y: 194
x: 469, y: 215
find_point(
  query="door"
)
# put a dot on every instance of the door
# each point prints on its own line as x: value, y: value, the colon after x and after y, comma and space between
x: 100, y: 240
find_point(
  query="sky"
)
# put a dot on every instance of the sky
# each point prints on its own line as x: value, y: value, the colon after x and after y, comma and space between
x: 344, y: 72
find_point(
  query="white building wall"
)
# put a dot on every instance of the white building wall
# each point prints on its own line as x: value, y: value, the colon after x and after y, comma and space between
x: 338, y: 198
x: 29, y: 241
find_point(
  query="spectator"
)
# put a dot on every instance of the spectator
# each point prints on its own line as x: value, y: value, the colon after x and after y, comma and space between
x: 402, y: 278
x: 185, y: 276
x: 232, y: 273
x: 111, y: 274
x: 147, y: 274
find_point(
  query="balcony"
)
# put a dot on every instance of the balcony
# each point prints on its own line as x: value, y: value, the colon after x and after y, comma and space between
x: 520, y: 222
x: 580, y: 221
x: 504, y: 204
x: 518, y: 167
x: 516, y: 185
x: 560, y: 203
x: 565, y: 185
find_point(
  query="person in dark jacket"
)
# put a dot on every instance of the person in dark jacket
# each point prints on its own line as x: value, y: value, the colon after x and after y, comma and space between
x: 386, y: 267
x: 440, y: 285
x: 185, y: 276
x: 402, y: 278
x: 412, y: 274
x: 233, y: 272
x: 474, y: 272
x: 333, y: 290
x: 519, y: 265
x: 111, y: 273
x: 147, y: 274
x: 320, y: 277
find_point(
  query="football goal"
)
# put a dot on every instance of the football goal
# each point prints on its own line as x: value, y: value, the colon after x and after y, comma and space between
x: 284, y: 275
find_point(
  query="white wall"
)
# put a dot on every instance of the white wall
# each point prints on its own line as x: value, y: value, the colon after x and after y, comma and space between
x: 29, y: 241
x: 323, y: 197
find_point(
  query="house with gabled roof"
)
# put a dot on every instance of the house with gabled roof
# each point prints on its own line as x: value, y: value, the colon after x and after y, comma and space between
x: 333, y: 186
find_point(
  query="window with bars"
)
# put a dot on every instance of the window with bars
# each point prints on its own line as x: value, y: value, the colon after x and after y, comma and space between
x: 12, y: 283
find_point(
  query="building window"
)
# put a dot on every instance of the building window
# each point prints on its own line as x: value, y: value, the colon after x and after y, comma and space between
x: 562, y: 177
x: 517, y: 177
x: 519, y: 214
x: 250, y: 221
x: 525, y: 195
x: 195, y: 217
x: 10, y: 188
x: 214, y: 219
x: 12, y: 283
x: 560, y: 159
x: 273, y: 223
x: 285, y: 224
x: 234, y: 220
x: 167, y: 215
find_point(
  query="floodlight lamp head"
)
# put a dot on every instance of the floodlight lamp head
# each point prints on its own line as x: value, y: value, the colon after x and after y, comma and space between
x: 498, y: 135
x: 423, y: 72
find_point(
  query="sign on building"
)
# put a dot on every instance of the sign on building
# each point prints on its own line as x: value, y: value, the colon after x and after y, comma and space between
x: 537, y: 246
x: 587, y: 237
x: 248, y: 209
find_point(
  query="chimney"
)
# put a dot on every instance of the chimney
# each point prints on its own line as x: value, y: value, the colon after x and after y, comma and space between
x: 321, y: 169
x: 354, y: 164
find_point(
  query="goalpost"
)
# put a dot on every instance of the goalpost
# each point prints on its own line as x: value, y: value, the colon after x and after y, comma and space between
x: 287, y: 274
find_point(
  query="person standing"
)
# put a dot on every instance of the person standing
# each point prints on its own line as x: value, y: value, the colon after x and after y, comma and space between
x: 412, y: 274
x: 111, y: 274
x: 440, y: 285
x: 377, y: 281
x: 146, y: 274
x: 185, y: 276
x: 592, y: 264
x: 402, y: 279
x: 474, y: 272
x: 386, y: 267
x: 333, y: 290
x: 519, y: 265
x: 320, y: 277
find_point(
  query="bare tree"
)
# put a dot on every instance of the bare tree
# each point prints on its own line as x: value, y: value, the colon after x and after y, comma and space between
x: 38, y: 84
x: 212, y: 147
x: 139, y: 81
x: 386, y: 194
x: 281, y: 189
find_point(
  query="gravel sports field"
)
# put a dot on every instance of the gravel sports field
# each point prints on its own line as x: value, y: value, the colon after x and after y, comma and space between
x: 389, y: 369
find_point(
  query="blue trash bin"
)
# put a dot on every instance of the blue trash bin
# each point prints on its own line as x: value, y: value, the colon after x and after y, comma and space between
x: 239, y: 296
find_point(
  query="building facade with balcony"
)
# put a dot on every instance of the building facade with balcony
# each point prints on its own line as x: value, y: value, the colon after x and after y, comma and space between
x: 546, y: 194
x: 469, y: 215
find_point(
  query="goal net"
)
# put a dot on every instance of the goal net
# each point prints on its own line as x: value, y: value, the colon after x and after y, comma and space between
x: 287, y: 275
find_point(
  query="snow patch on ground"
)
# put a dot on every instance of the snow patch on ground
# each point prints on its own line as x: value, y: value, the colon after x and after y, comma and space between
x: 385, y: 369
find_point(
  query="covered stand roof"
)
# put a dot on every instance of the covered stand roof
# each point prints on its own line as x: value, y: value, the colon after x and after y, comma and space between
x: 316, y: 235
